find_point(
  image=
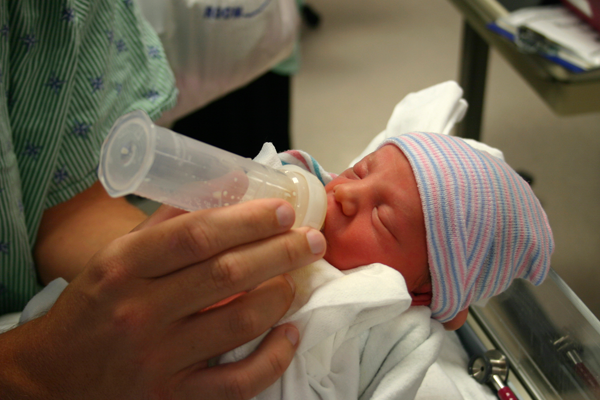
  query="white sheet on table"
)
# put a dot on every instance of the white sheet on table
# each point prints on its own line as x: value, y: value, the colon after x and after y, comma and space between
x: 447, y: 378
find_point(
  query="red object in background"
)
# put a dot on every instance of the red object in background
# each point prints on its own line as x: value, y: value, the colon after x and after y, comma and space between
x: 588, y: 10
x: 506, y: 394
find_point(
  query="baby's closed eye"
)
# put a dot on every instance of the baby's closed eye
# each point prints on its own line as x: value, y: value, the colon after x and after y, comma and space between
x: 377, y: 220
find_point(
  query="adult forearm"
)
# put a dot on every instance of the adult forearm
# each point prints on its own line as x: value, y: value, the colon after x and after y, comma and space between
x: 71, y: 232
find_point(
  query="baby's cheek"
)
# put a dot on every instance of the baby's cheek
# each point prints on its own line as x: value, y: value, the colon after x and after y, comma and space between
x: 344, y: 255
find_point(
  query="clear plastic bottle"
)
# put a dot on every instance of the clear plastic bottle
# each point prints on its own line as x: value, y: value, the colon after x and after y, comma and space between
x: 141, y: 158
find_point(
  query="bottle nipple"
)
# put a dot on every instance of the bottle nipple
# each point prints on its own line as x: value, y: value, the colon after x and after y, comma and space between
x: 311, y: 199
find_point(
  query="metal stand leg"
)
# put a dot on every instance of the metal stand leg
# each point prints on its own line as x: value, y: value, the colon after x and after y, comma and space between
x: 472, y: 79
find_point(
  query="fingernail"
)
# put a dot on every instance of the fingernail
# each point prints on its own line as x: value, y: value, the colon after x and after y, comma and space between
x: 316, y: 241
x: 292, y: 334
x: 285, y: 216
x: 290, y: 280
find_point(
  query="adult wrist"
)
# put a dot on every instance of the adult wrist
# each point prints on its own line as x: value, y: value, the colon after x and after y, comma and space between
x: 21, y: 368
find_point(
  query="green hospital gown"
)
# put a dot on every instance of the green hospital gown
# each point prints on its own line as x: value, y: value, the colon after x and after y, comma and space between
x: 68, y: 70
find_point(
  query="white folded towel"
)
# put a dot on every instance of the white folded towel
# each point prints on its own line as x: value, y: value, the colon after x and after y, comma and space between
x: 434, y: 109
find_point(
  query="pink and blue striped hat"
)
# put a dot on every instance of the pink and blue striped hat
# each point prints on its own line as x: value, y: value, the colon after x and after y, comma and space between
x: 485, y: 227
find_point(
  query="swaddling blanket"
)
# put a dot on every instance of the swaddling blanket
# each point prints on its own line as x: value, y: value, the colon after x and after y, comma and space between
x: 360, y: 339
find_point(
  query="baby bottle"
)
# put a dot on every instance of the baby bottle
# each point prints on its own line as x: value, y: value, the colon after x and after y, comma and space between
x: 140, y: 158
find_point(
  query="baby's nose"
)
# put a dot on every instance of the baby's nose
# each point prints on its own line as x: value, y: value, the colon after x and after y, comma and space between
x: 348, y: 197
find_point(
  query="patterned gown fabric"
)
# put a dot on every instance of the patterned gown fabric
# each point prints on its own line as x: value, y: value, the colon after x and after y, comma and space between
x: 68, y: 69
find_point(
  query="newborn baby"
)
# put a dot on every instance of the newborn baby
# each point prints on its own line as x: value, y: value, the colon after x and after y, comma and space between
x: 426, y: 220
x: 457, y: 223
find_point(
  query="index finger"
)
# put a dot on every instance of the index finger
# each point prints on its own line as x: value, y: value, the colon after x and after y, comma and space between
x: 197, y: 236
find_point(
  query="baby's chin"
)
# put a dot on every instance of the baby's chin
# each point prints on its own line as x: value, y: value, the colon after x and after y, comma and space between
x: 329, y: 254
x: 334, y: 259
x: 335, y: 254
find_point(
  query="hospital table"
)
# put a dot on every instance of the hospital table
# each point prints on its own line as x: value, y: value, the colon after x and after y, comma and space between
x: 566, y: 93
x: 551, y: 339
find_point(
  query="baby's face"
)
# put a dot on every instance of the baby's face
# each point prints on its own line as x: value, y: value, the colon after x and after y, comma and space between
x: 374, y: 214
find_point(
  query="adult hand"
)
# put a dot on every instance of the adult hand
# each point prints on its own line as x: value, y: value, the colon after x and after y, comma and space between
x: 129, y: 325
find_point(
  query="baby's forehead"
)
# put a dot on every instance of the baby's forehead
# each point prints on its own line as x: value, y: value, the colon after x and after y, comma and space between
x: 385, y: 153
x: 392, y: 159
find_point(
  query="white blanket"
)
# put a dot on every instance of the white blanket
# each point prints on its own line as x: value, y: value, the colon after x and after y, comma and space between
x: 359, y: 338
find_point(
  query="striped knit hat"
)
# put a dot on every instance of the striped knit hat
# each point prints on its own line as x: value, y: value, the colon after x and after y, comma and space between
x: 485, y: 227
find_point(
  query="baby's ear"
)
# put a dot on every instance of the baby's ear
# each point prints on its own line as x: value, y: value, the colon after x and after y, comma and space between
x: 457, y: 321
x: 421, y: 296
